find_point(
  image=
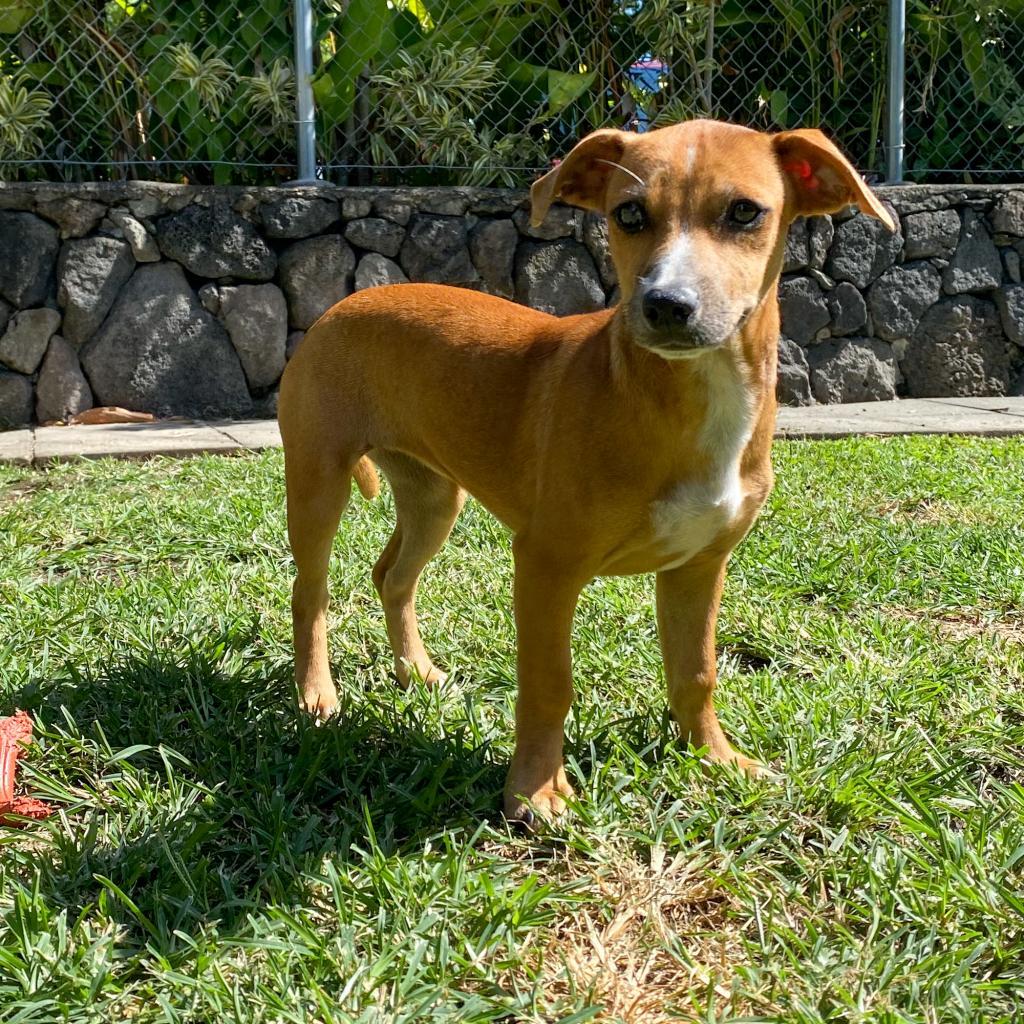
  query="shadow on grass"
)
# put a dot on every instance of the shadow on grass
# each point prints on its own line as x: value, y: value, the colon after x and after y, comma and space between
x: 249, y: 797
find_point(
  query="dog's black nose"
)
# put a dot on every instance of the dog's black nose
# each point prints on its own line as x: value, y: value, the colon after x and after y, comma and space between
x: 669, y: 309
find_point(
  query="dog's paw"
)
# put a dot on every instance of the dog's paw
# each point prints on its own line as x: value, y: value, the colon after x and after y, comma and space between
x: 749, y: 766
x: 712, y: 747
x: 755, y: 769
x: 320, y: 705
x: 435, y: 677
x: 429, y: 674
x: 529, y: 807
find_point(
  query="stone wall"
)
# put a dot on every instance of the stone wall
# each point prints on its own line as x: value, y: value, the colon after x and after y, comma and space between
x: 184, y: 301
x: 935, y: 311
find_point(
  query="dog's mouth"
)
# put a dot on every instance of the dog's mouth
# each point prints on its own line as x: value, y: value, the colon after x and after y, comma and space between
x: 677, y: 348
x: 684, y: 341
x: 676, y: 342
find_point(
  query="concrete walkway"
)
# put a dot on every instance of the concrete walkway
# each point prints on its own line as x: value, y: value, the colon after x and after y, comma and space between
x: 993, y: 417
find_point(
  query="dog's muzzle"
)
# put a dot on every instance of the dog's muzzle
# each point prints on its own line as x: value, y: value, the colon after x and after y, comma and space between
x: 668, y: 322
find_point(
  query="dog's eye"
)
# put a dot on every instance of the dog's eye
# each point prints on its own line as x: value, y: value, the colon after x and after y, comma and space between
x: 745, y: 213
x: 631, y: 217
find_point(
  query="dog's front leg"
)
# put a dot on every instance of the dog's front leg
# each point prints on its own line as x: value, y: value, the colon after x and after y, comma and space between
x: 545, y: 600
x: 688, y: 600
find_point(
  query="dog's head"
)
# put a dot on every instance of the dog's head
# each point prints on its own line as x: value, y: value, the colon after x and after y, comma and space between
x: 697, y: 217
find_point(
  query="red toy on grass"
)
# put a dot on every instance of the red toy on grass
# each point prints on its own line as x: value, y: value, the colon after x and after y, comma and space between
x: 15, y: 732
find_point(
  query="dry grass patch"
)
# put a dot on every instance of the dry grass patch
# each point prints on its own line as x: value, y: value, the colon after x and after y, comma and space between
x: 21, y: 489
x: 967, y: 623
x: 934, y: 512
x: 647, y: 942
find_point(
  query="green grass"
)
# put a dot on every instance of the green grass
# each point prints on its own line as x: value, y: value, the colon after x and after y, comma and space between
x: 216, y: 858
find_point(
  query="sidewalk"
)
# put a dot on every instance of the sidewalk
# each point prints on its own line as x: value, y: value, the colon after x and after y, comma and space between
x: 994, y: 417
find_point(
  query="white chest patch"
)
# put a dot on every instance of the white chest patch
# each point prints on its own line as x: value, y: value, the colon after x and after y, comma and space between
x: 696, y: 512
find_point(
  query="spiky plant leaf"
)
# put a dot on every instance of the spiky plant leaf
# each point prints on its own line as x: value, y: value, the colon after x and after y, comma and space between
x: 24, y: 112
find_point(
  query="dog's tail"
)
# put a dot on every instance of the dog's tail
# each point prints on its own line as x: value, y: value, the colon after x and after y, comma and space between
x: 366, y: 478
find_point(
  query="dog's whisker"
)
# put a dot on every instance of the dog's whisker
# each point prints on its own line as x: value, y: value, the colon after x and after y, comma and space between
x: 625, y: 170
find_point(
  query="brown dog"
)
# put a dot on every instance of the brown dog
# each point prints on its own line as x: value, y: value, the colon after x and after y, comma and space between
x: 632, y: 440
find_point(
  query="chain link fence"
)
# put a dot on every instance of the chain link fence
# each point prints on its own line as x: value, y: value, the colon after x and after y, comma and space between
x: 161, y: 89
x: 964, y: 110
x: 488, y: 91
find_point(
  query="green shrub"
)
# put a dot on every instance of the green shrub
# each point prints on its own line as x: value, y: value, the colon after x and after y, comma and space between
x: 486, y: 91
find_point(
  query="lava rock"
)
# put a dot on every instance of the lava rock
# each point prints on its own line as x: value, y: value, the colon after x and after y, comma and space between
x: 932, y: 233
x: 143, y: 244
x: 353, y: 207
x: 375, y: 270
x: 375, y: 234
x: 90, y: 274
x: 1010, y: 303
x: 28, y: 333
x: 445, y: 202
x: 394, y: 210
x: 492, y: 247
x: 558, y: 277
x: 803, y: 309
x: 898, y: 299
x: 28, y: 251
x: 1012, y: 265
x: 74, y: 217
x: 159, y: 351
x: 256, y: 318
x: 797, y: 253
x: 595, y: 237
x: 1008, y: 214
x: 847, y: 308
x: 15, y: 400
x: 213, y: 241
x: 976, y: 265
x: 820, y: 234
x: 436, y: 250
x: 958, y: 349
x: 559, y: 222
x: 861, y: 250
x: 853, y: 370
x: 495, y: 202
x: 298, y: 216
x: 294, y: 340
x: 792, y: 383
x: 315, y: 274
x: 62, y: 390
x: 265, y: 408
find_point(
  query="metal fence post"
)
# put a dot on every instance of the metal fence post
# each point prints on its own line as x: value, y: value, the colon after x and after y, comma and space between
x: 305, y: 125
x: 897, y: 75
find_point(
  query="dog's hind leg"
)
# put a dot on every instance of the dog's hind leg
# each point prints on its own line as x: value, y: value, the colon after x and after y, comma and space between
x: 318, y: 491
x: 427, y: 505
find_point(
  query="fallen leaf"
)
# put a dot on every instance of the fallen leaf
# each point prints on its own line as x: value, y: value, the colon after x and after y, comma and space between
x: 110, y: 414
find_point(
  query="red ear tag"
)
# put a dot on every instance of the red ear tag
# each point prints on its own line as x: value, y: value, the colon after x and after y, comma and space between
x: 802, y: 169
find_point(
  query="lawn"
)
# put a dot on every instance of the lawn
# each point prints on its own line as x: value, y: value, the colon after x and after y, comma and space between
x: 217, y: 858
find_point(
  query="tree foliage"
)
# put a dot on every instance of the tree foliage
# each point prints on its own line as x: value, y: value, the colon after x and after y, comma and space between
x: 487, y: 91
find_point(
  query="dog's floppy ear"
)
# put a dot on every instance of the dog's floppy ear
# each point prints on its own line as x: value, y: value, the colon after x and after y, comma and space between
x: 582, y: 177
x: 820, y: 179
